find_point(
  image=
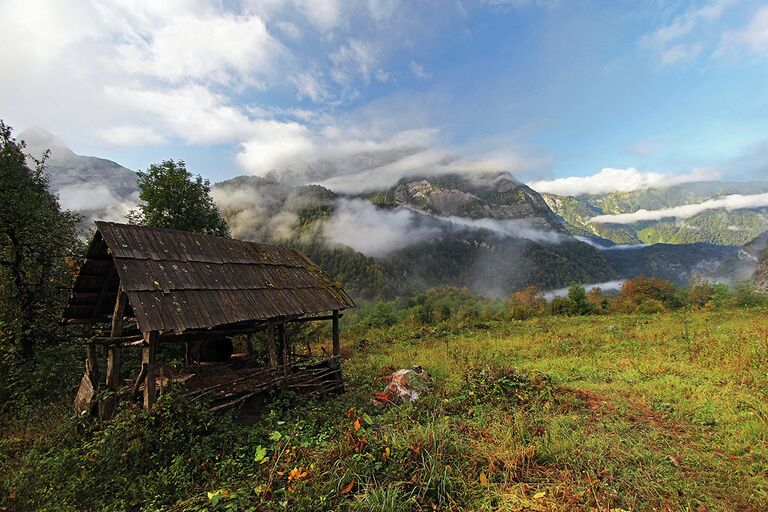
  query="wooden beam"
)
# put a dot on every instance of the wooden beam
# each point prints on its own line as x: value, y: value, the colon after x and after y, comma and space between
x: 270, y: 341
x: 97, y: 319
x: 284, y: 340
x: 316, y: 318
x: 148, y: 355
x: 202, y: 335
x: 119, y: 340
x: 138, y: 382
x: 113, y: 352
x: 92, y: 364
x: 336, y: 340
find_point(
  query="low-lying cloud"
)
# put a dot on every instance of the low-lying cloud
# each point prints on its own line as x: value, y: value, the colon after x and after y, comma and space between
x: 607, y: 286
x: 619, y: 180
x: 731, y: 202
x: 263, y: 212
x: 358, y: 224
x: 96, y: 202
x: 378, y: 232
x: 514, y: 228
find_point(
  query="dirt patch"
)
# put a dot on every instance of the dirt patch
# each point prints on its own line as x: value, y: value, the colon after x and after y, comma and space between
x: 597, y: 404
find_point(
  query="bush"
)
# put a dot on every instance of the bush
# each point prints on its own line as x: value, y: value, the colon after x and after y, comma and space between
x: 561, y: 306
x: 527, y: 303
x: 139, y: 459
x: 745, y: 295
x: 646, y: 294
x: 578, y: 297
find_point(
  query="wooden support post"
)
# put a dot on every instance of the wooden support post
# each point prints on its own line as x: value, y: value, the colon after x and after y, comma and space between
x: 336, y: 341
x: 113, y: 352
x: 271, y: 350
x: 148, y: 357
x: 92, y: 364
x: 90, y: 381
x: 284, y: 339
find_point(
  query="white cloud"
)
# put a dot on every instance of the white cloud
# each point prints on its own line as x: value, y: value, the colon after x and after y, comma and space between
x: 419, y: 71
x: 355, y: 58
x: 514, y: 228
x: 619, y: 180
x: 182, y: 68
x: 753, y: 38
x: 97, y: 202
x: 192, y: 113
x: 324, y: 14
x: 731, y: 202
x: 432, y: 162
x: 274, y: 145
x: 216, y: 47
x: 687, y: 35
x: 607, y: 286
x: 687, y: 22
x: 520, y: 3
x: 680, y: 53
x: 374, y: 232
x: 310, y: 85
x: 127, y: 135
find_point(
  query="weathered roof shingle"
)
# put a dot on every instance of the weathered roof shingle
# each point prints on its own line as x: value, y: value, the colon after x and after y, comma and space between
x: 178, y: 281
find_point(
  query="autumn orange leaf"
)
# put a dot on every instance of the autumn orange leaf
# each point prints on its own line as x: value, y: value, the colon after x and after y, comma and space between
x: 347, y: 488
x: 357, y: 424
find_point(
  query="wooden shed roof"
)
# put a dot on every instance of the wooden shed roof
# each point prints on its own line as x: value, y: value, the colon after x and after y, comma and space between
x: 179, y: 281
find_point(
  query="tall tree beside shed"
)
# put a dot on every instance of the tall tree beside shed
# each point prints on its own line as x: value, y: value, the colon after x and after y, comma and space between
x: 38, y: 247
x: 174, y: 198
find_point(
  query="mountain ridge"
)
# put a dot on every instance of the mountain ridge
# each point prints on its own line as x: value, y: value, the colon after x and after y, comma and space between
x: 491, y: 233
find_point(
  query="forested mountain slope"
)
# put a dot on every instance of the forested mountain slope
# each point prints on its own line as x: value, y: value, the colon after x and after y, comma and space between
x: 717, y: 226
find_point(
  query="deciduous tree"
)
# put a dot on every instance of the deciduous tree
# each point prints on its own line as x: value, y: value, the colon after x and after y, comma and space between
x: 174, y: 198
x: 38, y: 247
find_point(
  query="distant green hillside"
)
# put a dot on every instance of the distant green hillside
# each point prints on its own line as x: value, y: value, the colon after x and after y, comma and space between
x: 722, y: 227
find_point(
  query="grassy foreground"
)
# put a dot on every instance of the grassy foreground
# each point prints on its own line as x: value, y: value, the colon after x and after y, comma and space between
x: 641, y: 412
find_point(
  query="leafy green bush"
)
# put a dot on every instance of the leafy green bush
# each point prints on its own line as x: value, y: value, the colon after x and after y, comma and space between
x: 139, y: 459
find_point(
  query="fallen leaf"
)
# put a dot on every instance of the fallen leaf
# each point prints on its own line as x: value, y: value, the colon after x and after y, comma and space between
x: 539, y: 495
x: 483, y: 478
x: 674, y: 461
x: 357, y: 424
x: 348, y: 487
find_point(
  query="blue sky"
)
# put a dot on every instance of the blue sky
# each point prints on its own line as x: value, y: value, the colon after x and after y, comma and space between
x: 544, y: 89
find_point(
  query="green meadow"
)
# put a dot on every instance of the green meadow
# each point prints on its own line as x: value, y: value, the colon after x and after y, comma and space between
x: 620, y: 412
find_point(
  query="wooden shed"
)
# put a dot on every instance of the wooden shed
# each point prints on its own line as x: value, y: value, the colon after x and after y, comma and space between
x: 140, y: 286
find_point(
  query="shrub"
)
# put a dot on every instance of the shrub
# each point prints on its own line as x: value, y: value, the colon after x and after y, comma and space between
x: 646, y: 294
x: 561, y: 306
x: 526, y: 303
x: 578, y: 297
x: 746, y: 295
x: 139, y: 459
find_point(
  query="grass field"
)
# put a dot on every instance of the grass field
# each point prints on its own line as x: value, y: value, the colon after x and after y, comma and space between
x: 642, y: 412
